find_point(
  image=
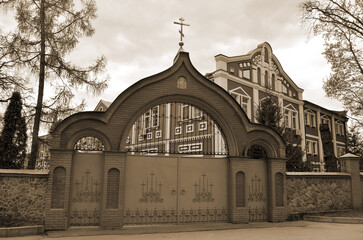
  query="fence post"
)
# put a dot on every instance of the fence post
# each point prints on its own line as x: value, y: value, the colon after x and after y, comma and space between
x: 350, y: 164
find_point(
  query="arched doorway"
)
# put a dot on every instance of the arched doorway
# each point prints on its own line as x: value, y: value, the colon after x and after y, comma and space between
x: 176, y: 167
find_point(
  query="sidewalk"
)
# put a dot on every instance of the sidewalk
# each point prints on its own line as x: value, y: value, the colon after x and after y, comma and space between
x: 149, y: 229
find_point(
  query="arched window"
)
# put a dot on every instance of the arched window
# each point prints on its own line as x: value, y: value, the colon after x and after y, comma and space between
x: 58, y: 187
x: 259, y: 76
x: 266, y: 55
x: 240, y: 189
x: 89, y: 144
x: 113, y: 185
x: 279, y: 189
x: 266, y: 79
x: 273, y: 82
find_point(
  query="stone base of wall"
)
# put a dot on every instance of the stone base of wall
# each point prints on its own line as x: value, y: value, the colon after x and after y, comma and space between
x: 22, y: 197
x: 21, y: 231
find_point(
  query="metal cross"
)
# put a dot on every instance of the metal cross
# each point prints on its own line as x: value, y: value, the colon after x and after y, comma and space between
x: 181, y: 27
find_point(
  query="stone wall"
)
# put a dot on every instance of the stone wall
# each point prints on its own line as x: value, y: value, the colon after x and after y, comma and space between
x: 22, y: 197
x: 318, y: 192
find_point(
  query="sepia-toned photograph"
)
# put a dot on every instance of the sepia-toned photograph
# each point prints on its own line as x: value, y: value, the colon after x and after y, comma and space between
x: 181, y: 119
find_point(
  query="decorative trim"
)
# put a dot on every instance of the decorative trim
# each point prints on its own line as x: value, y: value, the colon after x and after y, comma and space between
x: 203, y: 190
x: 152, y: 193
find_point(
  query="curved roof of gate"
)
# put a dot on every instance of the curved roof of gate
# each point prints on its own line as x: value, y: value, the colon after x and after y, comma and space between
x: 179, y: 83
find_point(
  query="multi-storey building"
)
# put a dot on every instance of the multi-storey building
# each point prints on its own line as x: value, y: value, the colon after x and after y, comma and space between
x: 249, y: 78
x: 180, y: 128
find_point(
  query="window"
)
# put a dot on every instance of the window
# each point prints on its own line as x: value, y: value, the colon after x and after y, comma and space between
x: 242, y: 98
x: 273, y: 81
x: 340, y: 151
x: 151, y: 117
x: 259, y: 75
x: 339, y: 126
x: 311, y: 147
x: 266, y: 55
x: 310, y: 118
x: 188, y: 112
x: 266, y: 79
x: 326, y: 120
x: 290, y: 117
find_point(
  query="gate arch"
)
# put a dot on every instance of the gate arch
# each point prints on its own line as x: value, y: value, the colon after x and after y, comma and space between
x: 180, y: 83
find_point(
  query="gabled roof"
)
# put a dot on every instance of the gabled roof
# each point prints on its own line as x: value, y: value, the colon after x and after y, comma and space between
x: 258, y: 51
x: 104, y: 103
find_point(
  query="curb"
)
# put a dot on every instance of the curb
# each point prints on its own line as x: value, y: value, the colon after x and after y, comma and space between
x: 21, y: 231
x: 348, y: 220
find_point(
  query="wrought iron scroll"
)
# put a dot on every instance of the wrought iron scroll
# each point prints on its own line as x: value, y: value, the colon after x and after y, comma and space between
x: 256, y: 190
x: 151, y: 190
x: 87, y: 190
x: 203, y: 190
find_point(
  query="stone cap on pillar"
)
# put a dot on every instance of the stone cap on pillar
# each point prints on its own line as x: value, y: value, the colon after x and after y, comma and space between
x: 349, y: 155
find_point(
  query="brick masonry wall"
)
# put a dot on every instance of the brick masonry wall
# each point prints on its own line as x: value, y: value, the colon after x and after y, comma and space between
x: 311, y: 192
x: 22, y: 197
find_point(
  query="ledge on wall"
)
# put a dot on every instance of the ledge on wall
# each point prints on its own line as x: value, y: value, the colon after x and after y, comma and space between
x: 24, y: 172
x: 21, y: 231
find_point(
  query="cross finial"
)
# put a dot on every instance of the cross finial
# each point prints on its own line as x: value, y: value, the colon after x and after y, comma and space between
x: 181, y: 29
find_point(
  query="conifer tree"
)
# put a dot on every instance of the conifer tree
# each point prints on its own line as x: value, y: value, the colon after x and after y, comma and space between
x: 269, y: 113
x: 13, y: 136
x: 47, y: 31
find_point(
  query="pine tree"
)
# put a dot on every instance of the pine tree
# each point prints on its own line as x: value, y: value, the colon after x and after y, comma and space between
x: 13, y: 136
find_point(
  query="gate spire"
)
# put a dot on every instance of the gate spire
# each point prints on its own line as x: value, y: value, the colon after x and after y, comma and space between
x: 181, y: 44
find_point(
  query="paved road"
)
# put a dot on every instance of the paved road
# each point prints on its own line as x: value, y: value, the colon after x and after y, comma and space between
x: 308, y: 231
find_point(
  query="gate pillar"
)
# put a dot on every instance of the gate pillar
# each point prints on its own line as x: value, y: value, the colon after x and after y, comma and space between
x: 113, y: 190
x: 57, y: 205
x: 237, y: 191
x: 276, y: 183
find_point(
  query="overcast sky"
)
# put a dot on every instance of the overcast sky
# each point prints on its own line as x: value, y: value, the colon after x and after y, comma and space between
x: 139, y: 39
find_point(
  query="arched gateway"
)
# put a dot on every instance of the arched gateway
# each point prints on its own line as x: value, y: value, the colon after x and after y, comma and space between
x: 172, y: 148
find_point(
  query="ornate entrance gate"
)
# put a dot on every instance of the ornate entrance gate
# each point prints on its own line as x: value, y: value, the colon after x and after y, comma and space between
x: 165, y: 189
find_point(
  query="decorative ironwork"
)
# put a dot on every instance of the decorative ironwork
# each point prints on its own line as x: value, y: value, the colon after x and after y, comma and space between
x: 89, y: 144
x: 257, y: 59
x: 256, y: 190
x: 167, y: 216
x: 257, y: 214
x: 152, y: 192
x: 257, y: 152
x: 87, y: 191
x: 203, y: 190
x: 176, y: 124
x: 85, y: 217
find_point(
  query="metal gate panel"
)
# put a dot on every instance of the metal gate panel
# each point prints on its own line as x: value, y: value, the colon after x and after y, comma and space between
x: 256, y: 180
x: 86, y: 189
x: 150, y: 190
x: 202, y: 190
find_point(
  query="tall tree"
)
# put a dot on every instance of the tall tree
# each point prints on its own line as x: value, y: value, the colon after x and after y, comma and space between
x: 269, y: 113
x: 355, y: 143
x: 13, y: 136
x: 340, y: 23
x: 47, y: 31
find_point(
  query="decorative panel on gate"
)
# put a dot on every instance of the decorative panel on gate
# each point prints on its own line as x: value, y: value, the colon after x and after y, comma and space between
x: 150, y: 190
x: 257, y: 190
x: 86, y: 189
x: 203, y: 190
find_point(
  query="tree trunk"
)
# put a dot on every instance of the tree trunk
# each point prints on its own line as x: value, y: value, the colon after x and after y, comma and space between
x: 38, y: 108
